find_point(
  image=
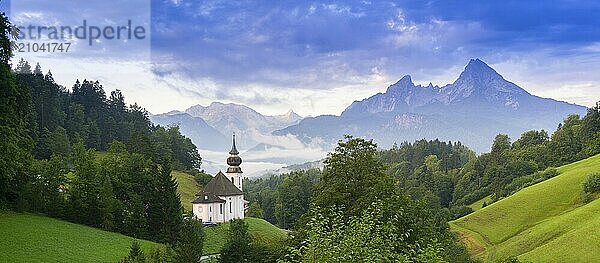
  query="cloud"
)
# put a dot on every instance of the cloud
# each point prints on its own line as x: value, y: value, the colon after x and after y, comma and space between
x: 319, y: 57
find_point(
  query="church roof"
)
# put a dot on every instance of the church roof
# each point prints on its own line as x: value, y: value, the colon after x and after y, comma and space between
x: 220, y: 186
x: 206, y: 198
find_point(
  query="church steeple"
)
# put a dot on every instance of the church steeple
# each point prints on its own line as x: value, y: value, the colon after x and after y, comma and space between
x: 234, y: 160
x: 234, y: 150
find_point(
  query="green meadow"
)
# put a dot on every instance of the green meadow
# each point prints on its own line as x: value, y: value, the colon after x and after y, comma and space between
x: 546, y: 222
x: 36, y: 238
x: 187, y: 187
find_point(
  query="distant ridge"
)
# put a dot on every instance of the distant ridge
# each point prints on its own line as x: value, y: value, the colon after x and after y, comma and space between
x: 473, y: 109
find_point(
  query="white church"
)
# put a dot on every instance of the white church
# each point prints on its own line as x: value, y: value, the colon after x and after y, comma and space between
x: 222, y: 198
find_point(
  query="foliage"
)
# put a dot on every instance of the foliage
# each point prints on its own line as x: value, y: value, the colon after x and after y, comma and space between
x: 130, y: 191
x: 592, y: 183
x: 254, y: 210
x: 202, y: 178
x: 353, y: 177
x: 460, y: 211
x: 427, y: 169
x: 187, y: 187
x: 190, y: 243
x: 157, y: 255
x: 59, y: 118
x: 136, y: 255
x: 293, y: 197
x: 237, y: 248
x: 283, y: 200
x: 369, y: 218
x: 379, y: 234
x: 15, y: 144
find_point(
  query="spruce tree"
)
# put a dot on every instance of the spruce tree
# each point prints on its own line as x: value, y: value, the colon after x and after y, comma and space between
x: 15, y: 144
x: 238, y: 246
x: 190, y: 242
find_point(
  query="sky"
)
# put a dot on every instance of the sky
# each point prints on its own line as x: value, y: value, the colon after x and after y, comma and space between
x: 317, y: 57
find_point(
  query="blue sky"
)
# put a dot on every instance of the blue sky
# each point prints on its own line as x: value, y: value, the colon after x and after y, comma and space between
x: 317, y: 57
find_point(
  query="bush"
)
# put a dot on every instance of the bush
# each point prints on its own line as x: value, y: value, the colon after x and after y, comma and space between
x: 460, y: 211
x: 592, y: 183
x: 529, y: 180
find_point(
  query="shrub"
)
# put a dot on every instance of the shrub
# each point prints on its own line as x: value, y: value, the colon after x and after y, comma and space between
x: 460, y: 211
x: 592, y: 183
x: 529, y: 180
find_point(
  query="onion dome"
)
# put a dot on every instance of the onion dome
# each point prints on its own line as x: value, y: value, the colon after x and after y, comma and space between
x: 234, y: 160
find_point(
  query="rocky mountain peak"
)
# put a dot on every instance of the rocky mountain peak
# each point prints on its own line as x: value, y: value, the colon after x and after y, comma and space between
x: 478, y: 70
x: 402, y: 84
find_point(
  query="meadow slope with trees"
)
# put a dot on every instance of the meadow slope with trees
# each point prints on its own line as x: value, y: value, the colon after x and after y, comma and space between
x: 367, y: 204
x: 552, y: 221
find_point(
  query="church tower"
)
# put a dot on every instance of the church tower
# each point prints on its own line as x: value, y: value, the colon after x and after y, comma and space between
x: 234, y: 172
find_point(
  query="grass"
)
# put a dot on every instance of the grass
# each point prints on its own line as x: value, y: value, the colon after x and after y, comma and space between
x: 36, y: 238
x: 478, y: 204
x: 543, y: 223
x: 187, y: 189
x: 261, y: 231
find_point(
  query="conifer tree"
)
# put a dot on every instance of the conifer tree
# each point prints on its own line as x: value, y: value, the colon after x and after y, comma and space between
x: 15, y: 144
x: 190, y: 242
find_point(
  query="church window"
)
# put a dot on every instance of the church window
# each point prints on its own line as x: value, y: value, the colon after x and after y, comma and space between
x: 230, y: 208
x: 221, y: 208
x: 209, y: 208
x: 232, y: 180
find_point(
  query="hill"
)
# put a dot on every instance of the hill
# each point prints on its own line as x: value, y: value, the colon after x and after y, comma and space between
x: 36, y: 238
x: 187, y: 187
x: 262, y: 231
x: 473, y: 109
x: 546, y: 222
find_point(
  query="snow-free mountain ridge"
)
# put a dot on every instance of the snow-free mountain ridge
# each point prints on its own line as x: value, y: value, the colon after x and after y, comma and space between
x: 473, y: 109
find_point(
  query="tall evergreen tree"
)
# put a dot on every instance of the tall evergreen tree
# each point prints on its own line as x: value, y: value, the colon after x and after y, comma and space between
x: 190, y: 242
x: 15, y: 144
x: 237, y: 248
x: 166, y: 213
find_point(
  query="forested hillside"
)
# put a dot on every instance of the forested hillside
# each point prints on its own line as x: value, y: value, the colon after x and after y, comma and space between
x: 49, y: 163
x: 451, y: 176
x: 448, y: 175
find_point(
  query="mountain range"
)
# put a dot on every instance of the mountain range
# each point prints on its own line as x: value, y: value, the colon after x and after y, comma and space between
x: 473, y: 109
x: 477, y: 106
x: 210, y: 127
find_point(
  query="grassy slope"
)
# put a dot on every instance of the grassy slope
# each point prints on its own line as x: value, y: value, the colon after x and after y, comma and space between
x: 187, y: 188
x: 260, y: 230
x: 478, y: 204
x: 35, y: 238
x: 538, y: 220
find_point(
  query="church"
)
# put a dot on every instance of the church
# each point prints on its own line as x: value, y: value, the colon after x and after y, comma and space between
x: 222, y: 198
